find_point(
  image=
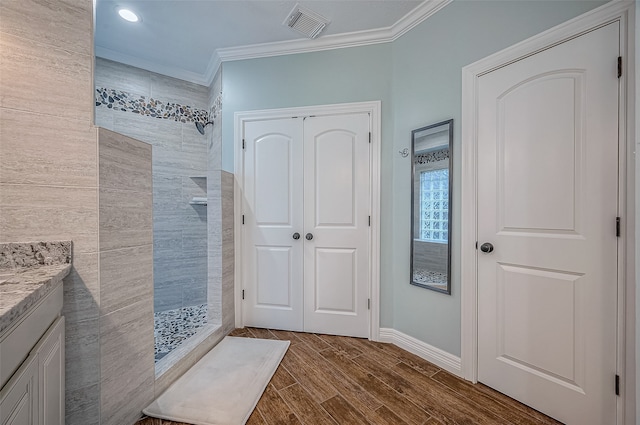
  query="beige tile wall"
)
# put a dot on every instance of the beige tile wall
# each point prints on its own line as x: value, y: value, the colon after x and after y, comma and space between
x: 228, y: 253
x: 49, y: 189
x: 54, y: 74
x: 48, y: 165
x: 127, y: 369
x: 176, y: 147
x: 63, y: 24
x: 214, y: 210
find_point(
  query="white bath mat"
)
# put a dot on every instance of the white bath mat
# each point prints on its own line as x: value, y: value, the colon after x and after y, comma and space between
x: 224, y: 387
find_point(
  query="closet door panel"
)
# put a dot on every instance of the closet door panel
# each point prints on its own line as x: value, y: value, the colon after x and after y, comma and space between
x: 272, y: 208
x: 337, y: 208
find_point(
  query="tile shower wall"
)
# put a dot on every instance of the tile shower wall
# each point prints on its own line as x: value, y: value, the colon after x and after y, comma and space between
x: 214, y: 195
x: 221, y: 216
x: 49, y: 190
x: 228, y: 253
x: 220, y: 212
x: 48, y: 166
x: 161, y: 111
x: 430, y: 256
x: 127, y: 372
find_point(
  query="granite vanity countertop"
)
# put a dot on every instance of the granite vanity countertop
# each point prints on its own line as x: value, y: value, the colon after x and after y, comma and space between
x: 27, y: 282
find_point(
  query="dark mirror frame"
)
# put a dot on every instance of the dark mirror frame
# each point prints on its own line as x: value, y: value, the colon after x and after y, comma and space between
x: 444, y: 124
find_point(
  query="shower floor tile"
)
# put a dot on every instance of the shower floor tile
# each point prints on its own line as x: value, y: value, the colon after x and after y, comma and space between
x: 173, y: 327
x: 428, y: 277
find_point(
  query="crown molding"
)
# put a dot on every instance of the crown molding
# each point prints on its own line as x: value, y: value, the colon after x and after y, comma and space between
x: 418, y: 15
x: 337, y: 41
x: 281, y: 48
x: 170, y: 71
x: 212, y: 68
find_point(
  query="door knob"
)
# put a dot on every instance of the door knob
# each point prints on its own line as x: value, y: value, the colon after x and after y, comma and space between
x: 296, y: 236
x: 308, y: 236
x: 486, y: 247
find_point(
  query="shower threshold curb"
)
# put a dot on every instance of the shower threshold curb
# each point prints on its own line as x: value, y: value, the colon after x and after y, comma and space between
x: 175, y: 357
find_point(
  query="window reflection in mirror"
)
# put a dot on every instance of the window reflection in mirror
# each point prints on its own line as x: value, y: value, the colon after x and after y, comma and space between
x: 431, y: 206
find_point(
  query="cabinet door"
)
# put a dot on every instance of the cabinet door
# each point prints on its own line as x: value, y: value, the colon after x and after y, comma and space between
x: 50, y: 351
x: 19, y: 398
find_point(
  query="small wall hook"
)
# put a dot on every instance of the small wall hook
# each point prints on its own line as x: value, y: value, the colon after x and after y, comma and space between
x: 404, y: 152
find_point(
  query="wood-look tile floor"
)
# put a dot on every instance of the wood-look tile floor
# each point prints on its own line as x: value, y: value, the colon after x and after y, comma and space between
x: 331, y: 380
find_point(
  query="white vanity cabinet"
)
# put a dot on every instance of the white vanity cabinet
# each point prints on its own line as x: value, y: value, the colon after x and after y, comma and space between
x: 19, y: 401
x: 33, y: 394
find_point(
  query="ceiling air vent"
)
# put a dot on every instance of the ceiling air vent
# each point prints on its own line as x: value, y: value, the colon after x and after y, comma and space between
x: 306, y: 22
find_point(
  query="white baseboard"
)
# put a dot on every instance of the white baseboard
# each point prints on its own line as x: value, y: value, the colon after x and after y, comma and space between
x: 438, y: 357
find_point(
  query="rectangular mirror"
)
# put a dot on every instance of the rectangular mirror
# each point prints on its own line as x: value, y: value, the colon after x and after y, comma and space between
x: 431, y: 161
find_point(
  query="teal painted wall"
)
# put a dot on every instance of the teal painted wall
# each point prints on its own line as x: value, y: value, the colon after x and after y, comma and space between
x: 335, y: 76
x: 418, y: 80
x: 427, y: 88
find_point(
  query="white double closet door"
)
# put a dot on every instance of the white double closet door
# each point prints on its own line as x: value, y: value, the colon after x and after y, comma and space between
x: 306, y: 234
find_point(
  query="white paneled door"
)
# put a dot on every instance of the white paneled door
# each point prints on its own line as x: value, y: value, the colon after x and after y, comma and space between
x: 547, y: 208
x: 306, y: 231
x: 272, y: 215
x: 336, y: 213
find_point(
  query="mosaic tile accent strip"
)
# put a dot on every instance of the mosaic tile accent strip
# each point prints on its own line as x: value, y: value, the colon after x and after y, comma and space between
x: 173, y: 327
x: 216, y: 109
x: 428, y: 277
x: 434, y: 156
x: 126, y: 102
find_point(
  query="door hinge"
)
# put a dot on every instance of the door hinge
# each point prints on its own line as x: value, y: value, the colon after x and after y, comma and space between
x: 369, y: 137
x: 242, y: 218
x: 617, y: 384
x: 476, y: 244
x: 243, y: 294
x: 243, y: 144
x: 368, y: 303
x: 618, y: 226
x: 369, y: 221
x: 619, y: 66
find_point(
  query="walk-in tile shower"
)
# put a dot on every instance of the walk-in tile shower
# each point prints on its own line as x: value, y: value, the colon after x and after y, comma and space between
x: 162, y: 111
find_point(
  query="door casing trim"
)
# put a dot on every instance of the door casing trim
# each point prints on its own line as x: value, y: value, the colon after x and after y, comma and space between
x: 373, y: 108
x: 623, y: 12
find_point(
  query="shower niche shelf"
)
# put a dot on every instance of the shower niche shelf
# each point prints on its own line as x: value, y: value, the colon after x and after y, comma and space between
x: 198, y: 201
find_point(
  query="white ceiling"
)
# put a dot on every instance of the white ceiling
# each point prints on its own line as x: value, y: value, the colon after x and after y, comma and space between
x: 188, y: 38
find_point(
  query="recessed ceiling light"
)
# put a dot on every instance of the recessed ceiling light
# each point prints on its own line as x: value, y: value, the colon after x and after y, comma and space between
x: 128, y: 15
